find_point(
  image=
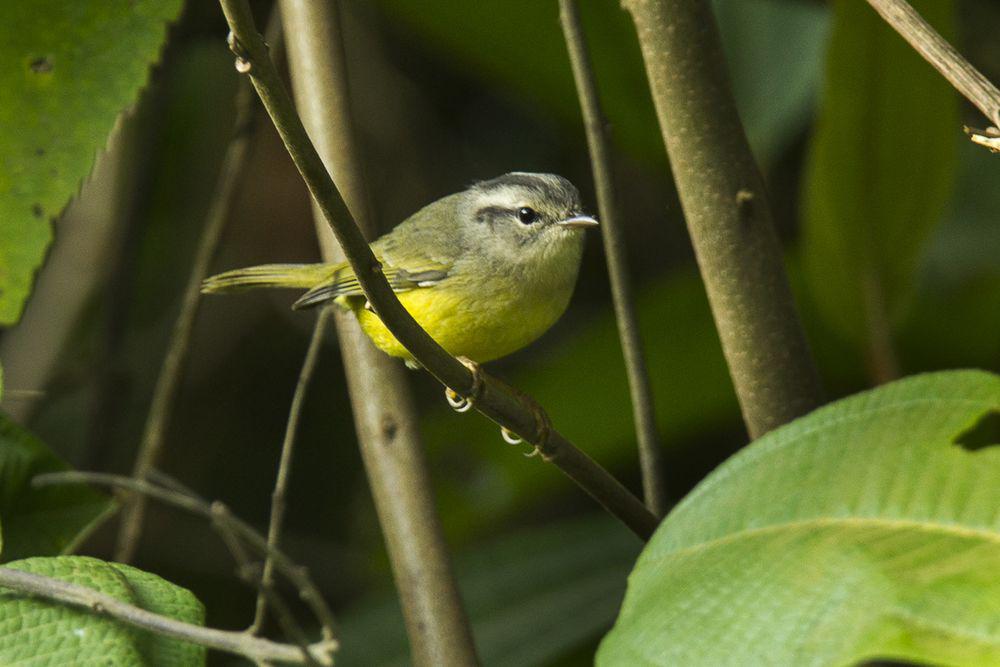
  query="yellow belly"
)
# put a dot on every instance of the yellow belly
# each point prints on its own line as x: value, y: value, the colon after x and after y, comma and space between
x: 481, y: 329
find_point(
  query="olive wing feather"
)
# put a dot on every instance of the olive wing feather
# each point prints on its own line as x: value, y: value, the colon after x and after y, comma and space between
x: 417, y: 253
x: 346, y: 284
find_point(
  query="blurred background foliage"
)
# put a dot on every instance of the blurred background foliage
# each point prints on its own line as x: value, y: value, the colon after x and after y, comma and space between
x: 447, y: 93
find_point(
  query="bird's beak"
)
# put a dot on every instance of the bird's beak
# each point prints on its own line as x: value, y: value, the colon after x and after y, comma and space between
x: 579, y: 221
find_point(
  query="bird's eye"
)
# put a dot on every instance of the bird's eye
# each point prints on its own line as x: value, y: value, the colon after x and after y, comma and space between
x: 527, y: 215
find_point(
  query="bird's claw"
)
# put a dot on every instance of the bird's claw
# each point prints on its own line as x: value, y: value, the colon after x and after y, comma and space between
x: 510, y: 437
x: 458, y: 402
x: 543, y: 426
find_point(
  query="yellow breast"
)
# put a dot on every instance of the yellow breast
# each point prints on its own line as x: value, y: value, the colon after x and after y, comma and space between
x: 467, y: 323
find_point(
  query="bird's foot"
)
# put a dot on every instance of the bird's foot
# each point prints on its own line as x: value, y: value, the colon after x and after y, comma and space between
x: 458, y: 402
x: 543, y: 427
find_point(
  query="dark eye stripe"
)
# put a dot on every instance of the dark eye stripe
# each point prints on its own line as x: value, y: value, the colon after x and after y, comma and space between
x: 488, y: 213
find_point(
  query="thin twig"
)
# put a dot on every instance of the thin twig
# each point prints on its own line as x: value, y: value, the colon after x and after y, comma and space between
x: 98, y: 603
x: 278, y: 496
x: 727, y: 213
x: 965, y: 78
x: 215, y: 512
x: 643, y: 414
x: 496, y: 401
x: 385, y: 417
x: 247, y: 570
x: 169, y: 379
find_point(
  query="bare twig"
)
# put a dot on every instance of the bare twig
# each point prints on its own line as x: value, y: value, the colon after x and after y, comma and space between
x: 98, y: 603
x: 643, y: 413
x: 965, y: 78
x: 215, y: 512
x: 285, y: 464
x: 247, y: 570
x: 385, y: 417
x: 168, y: 381
x: 495, y: 400
x: 727, y: 212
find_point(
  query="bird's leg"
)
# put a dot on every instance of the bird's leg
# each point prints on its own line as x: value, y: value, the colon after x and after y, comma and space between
x: 461, y: 403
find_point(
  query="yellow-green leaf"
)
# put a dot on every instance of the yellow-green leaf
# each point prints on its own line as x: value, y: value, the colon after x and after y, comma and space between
x: 868, y: 528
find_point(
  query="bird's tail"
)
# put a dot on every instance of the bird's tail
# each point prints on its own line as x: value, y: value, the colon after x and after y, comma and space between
x: 302, y: 276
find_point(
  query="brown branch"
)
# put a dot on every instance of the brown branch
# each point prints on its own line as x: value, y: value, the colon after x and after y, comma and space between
x: 643, y: 413
x: 215, y: 512
x: 101, y: 604
x: 496, y: 401
x: 965, y: 78
x: 727, y: 213
x: 385, y: 417
x: 168, y: 381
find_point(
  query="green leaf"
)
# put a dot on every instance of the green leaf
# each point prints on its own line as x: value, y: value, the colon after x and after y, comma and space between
x: 880, y: 170
x: 46, y: 521
x: 67, y: 70
x: 868, y: 528
x: 40, y: 632
x: 531, y: 597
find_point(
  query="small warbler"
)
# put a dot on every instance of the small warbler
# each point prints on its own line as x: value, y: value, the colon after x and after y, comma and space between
x: 484, y: 271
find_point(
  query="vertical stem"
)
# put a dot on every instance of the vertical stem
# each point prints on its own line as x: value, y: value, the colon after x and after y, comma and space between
x: 278, y: 496
x: 727, y: 212
x: 598, y: 142
x: 384, y: 414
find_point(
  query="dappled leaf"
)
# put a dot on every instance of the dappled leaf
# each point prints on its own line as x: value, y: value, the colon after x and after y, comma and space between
x: 66, y: 71
x: 40, y: 632
x: 860, y: 530
x: 40, y: 522
x: 880, y: 171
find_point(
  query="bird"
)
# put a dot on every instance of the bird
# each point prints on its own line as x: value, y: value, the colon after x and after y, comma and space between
x: 485, y: 271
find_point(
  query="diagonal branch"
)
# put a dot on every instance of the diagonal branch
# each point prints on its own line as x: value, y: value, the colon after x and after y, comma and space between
x: 643, y: 414
x: 965, y: 78
x: 495, y: 400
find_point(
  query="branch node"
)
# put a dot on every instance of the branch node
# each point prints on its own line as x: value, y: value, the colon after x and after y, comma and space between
x: 243, y: 64
x: 988, y: 138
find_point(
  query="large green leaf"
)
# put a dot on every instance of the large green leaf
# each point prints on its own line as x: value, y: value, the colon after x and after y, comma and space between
x: 46, y: 521
x: 531, y: 597
x: 880, y: 171
x: 39, y: 632
x: 67, y: 70
x: 866, y: 528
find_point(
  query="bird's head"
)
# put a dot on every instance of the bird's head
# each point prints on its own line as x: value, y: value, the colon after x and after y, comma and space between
x: 524, y: 215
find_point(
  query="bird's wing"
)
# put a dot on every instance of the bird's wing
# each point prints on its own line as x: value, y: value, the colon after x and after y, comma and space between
x: 345, y: 283
x: 418, y: 253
